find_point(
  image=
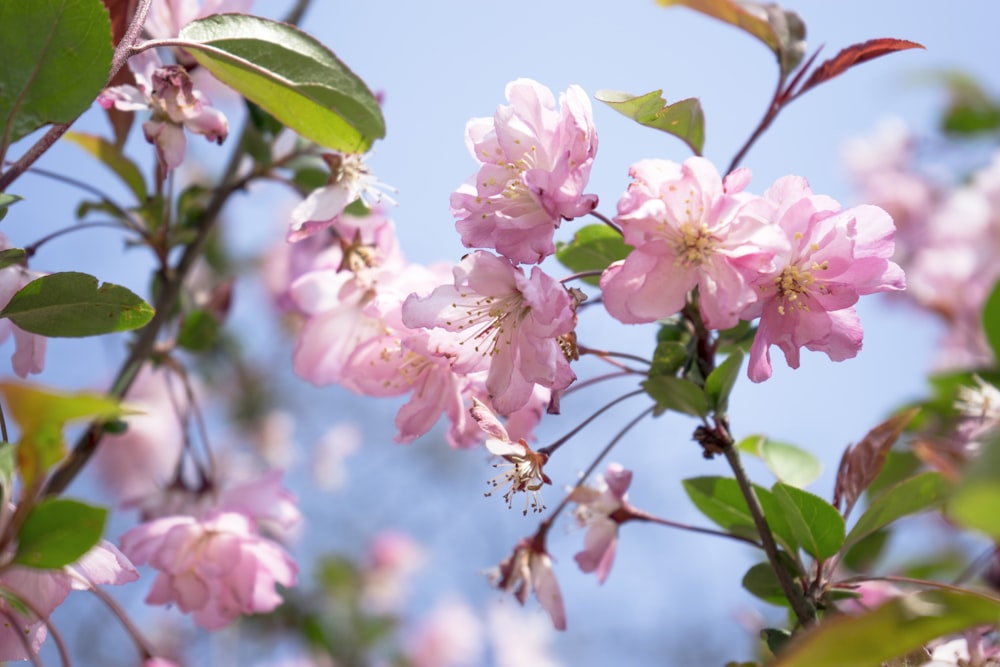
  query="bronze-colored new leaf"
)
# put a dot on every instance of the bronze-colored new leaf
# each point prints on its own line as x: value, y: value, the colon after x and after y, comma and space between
x: 855, y: 55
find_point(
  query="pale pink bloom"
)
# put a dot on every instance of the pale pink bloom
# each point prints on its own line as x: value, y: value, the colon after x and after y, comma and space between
x: 871, y: 594
x: 263, y: 499
x: 215, y: 567
x: 166, y: 91
x: 449, y: 636
x: 330, y: 454
x: 535, y: 161
x: 519, y: 639
x: 684, y: 224
x: 167, y: 17
x: 29, y: 348
x: 159, y: 662
x: 511, y: 320
x: 350, y: 180
x: 835, y: 257
x: 138, y: 463
x: 976, y: 648
x: 600, y: 509
x: 529, y: 568
x: 525, y: 474
x: 393, y: 559
x: 44, y: 590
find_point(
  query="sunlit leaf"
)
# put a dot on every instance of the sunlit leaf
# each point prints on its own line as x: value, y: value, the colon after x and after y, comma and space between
x: 917, y: 494
x: 593, y: 248
x: 291, y: 76
x: 684, y: 119
x: 57, y: 55
x: 790, y: 464
x: 891, y: 630
x: 58, y: 532
x: 72, y: 305
x: 11, y: 256
x: 720, y: 382
x: 678, y: 394
x: 113, y: 159
x: 815, y: 523
x: 721, y: 500
x: 5, y: 202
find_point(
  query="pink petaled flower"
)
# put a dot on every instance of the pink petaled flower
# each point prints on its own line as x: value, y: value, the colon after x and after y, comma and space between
x: 599, y: 508
x: 449, y: 636
x: 835, y: 257
x: 29, y: 348
x: 44, y: 590
x: 529, y: 568
x: 350, y: 180
x: 167, y: 17
x: 166, y: 91
x: 217, y: 566
x: 159, y: 662
x: 393, y: 558
x: 535, y: 164
x: 512, y: 320
x: 683, y: 221
x: 525, y: 474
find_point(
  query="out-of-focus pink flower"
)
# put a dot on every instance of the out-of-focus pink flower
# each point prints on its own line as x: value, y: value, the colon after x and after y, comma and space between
x: 977, y: 647
x: 44, y: 590
x: 159, y: 662
x: 683, y: 221
x: 166, y: 91
x: 29, y: 348
x: 264, y: 499
x: 529, y: 568
x: 167, y: 17
x: 449, y: 636
x: 525, y: 473
x: 835, y: 257
x: 535, y: 161
x: 533, y: 638
x: 350, y: 180
x: 393, y: 558
x: 871, y: 594
x: 215, y: 567
x: 598, y: 509
x: 511, y: 320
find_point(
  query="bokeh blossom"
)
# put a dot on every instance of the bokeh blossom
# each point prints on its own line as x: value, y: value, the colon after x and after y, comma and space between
x: 529, y: 568
x: 598, y: 508
x: 535, y: 163
x: 29, y: 348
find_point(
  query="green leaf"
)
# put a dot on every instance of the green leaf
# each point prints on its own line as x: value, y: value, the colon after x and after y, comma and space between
x: 917, y: 494
x: 976, y: 502
x: 668, y: 358
x: 684, y: 119
x: 6, y: 200
x: 865, y: 553
x: 815, y: 523
x: 593, y: 248
x: 971, y: 110
x: 761, y: 581
x: 721, y: 501
x: 891, y: 630
x: 72, y: 305
x: 790, y: 464
x: 719, y: 383
x: 199, y: 331
x: 113, y: 158
x: 291, y: 76
x: 41, y: 415
x: 991, y: 320
x: 679, y: 394
x: 58, y: 532
x: 57, y: 55
x: 782, y: 31
x: 11, y: 256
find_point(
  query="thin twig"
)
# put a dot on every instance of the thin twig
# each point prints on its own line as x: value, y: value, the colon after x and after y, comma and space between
x: 561, y: 441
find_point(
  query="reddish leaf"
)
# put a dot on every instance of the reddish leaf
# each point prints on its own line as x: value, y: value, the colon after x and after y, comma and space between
x: 121, y: 12
x: 862, y: 463
x: 855, y: 55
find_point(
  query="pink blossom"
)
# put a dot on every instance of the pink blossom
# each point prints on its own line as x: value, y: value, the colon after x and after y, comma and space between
x: 29, y: 348
x: 350, y: 180
x: 525, y: 473
x: 511, y: 320
x: 215, y: 567
x: 835, y: 257
x: 529, y: 568
x: 44, y: 590
x: 535, y: 161
x: 393, y: 558
x: 684, y: 223
x: 159, y: 662
x: 598, y: 508
x: 519, y: 639
x: 166, y: 91
x: 167, y: 17
x: 449, y: 636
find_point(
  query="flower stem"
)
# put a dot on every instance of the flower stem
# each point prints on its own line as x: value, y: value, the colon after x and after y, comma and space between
x: 804, y: 612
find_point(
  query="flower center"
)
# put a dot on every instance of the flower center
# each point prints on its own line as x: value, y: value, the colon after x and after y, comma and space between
x: 694, y: 244
x: 794, y: 282
x: 491, y: 320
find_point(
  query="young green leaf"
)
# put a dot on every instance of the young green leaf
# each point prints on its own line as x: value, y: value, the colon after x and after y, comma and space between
x: 719, y: 383
x: 891, y: 630
x: 72, y: 305
x: 113, y: 159
x: 5, y: 202
x: 11, y: 256
x: 58, y: 532
x: 684, y: 119
x: 721, y: 500
x: 668, y: 358
x: 790, y: 464
x: 991, y: 320
x: 678, y: 394
x: 917, y: 494
x: 290, y: 75
x: 816, y: 524
x: 976, y: 502
x: 761, y: 581
x: 57, y: 55
x: 593, y: 248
